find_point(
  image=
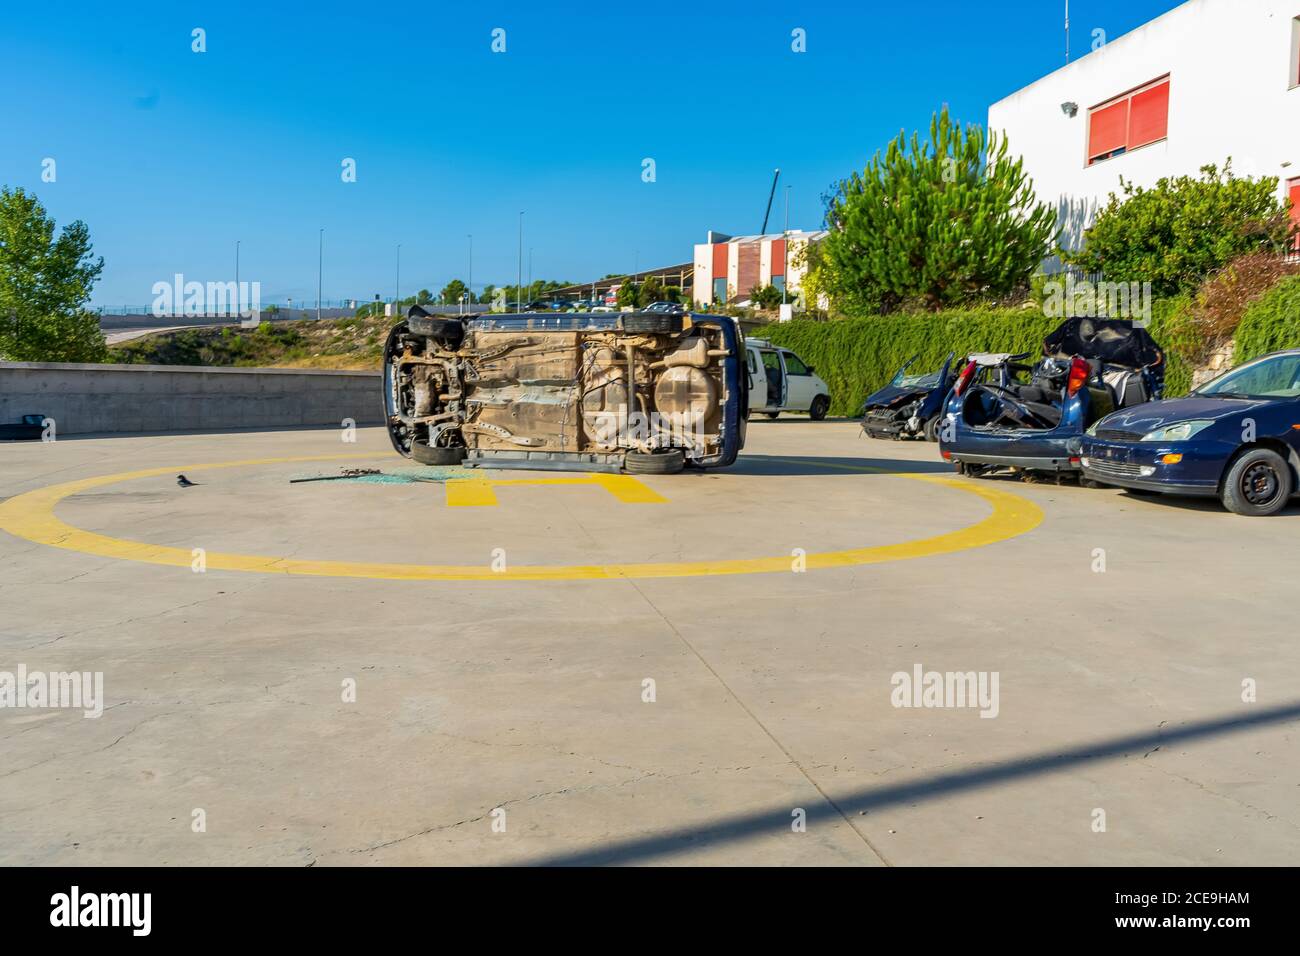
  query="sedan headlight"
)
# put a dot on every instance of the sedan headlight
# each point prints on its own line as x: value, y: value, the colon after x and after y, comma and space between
x: 1183, y: 431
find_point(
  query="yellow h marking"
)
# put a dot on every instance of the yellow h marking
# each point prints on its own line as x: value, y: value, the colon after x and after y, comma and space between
x: 480, y: 492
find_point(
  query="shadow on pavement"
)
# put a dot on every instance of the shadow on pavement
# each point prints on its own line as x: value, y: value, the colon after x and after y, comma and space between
x: 777, y: 819
x: 767, y: 465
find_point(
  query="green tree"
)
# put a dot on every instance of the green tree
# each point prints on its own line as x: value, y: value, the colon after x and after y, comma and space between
x: 453, y: 291
x: 45, y: 283
x: 1183, y: 229
x: 652, y: 290
x: 628, y: 295
x: 945, y: 222
x: 765, y: 297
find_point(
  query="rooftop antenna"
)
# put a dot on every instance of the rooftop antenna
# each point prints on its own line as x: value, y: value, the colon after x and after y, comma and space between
x: 1067, y: 31
x: 775, y: 177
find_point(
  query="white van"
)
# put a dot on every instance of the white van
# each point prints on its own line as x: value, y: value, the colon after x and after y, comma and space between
x: 780, y: 381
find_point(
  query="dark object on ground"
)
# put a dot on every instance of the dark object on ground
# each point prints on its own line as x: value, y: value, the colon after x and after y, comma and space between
x: 31, y: 428
x: 185, y: 482
x: 347, y: 473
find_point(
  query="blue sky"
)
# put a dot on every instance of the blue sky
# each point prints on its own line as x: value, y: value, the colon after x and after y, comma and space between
x: 170, y: 156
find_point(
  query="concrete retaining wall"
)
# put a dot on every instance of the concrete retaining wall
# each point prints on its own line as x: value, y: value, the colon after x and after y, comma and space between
x: 146, y: 398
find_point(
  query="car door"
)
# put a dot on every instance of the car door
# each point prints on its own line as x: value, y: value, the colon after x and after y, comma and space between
x: 800, y: 387
x: 775, y: 379
x: 757, y: 380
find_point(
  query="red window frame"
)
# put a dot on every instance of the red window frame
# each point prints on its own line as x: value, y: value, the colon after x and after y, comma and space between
x: 1111, y: 128
x: 1293, y: 192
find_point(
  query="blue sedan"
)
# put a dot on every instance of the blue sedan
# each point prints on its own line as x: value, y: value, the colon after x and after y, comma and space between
x: 1237, y: 438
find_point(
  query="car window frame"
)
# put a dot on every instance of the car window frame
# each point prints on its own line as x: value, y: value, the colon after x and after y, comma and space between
x: 806, y: 373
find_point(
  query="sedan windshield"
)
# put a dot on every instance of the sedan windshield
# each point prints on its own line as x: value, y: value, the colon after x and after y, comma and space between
x: 1277, y: 376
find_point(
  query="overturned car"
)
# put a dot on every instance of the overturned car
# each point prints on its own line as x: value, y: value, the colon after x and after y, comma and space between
x: 646, y: 393
x: 1089, y: 368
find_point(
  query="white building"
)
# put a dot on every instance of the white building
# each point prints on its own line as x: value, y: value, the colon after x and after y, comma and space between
x: 729, y: 268
x: 1209, y: 80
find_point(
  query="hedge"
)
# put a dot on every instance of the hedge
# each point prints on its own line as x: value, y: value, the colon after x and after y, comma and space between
x: 1270, y: 323
x: 860, y: 355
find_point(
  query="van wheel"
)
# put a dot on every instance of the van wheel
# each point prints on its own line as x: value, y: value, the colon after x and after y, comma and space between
x: 436, y: 455
x: 670, y: 461
x: 773, y: 415
x: 1258, y: 484
x: 820, y: 406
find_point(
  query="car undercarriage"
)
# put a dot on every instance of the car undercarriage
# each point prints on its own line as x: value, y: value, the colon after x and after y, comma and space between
x: 552, y: 392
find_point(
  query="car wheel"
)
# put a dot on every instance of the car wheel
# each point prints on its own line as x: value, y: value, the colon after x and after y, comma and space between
x: 448, y: 331
x: 1258, y: 484
x: 773, y: 415
x: 657, y: 323
x: 667, y: 462
x: 436, y: 455
x: 820, y: 406
x: 931, y: 430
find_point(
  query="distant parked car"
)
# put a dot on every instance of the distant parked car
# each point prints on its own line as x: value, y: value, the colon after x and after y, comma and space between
x: 665, y: 307
x: 1236, y: 438
x: 31, y: 428
x: 780, y: 381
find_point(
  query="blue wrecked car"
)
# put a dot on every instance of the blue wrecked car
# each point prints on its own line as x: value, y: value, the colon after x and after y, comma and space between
x: 911, y: 405
x: 1003, y: 415
x: 1237, y: 438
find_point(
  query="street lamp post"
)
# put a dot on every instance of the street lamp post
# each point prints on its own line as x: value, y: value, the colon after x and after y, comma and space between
x: 519, y: 278
x: 785, y: 248
x: 397, y: 297
x: 320, y: 271
x: 471, y: 267
x: 238, y: 297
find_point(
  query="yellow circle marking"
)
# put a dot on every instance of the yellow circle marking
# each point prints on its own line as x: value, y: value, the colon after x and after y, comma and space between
x: 31, y: 516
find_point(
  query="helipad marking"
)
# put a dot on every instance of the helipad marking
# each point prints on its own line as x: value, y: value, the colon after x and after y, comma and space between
x: 31, y: 516
x: 479, y: 492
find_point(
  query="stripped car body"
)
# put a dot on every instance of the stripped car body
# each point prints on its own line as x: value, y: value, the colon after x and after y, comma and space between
x: 551, y: 391
x: 1089, y: 368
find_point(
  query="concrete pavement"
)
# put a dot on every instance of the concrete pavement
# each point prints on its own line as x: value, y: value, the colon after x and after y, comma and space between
x: 304, y: 718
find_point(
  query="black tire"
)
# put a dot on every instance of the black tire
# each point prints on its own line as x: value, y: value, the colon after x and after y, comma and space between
x: 1259, y: 483
x: 670, y: 461
x: 449, y: 331
x: 773, y: 415
x: 931, y: 429
x: 661, y: 324
x: 436, y: 455
x: 820, y: 406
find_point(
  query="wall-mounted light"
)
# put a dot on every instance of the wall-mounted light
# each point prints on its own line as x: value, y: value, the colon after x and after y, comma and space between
x: 1070, y: 109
